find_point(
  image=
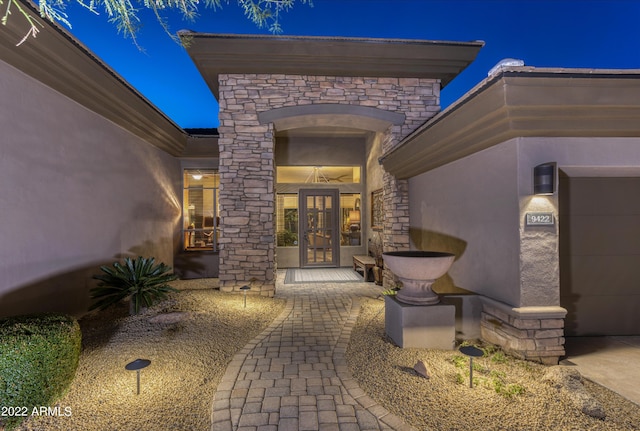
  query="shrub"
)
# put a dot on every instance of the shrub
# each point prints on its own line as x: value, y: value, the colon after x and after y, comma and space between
x: 38, y: 359
x: 138, y: 279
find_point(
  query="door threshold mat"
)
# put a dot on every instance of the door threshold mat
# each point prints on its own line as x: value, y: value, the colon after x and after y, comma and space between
x: 321, y: 275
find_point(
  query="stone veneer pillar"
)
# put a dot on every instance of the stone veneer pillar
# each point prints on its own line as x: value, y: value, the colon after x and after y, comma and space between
x: 247, y: 200
x: 396, y: 219
x: 396, y: 210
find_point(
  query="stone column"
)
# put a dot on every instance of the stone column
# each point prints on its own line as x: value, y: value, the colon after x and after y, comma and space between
x: 247, y: 201
x: 396, y: 219
x: 395, y: 234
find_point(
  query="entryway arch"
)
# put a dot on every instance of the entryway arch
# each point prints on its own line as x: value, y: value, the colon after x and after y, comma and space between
x: 332, y: 115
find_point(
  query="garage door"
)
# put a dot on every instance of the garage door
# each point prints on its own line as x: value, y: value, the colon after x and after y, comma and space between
x: 600, y: 255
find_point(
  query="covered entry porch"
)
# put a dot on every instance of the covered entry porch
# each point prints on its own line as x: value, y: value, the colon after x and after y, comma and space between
x: 275, y: 91
x: 325, y: 174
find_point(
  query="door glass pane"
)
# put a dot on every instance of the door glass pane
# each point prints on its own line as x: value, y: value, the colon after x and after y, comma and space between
x: 319, y: 229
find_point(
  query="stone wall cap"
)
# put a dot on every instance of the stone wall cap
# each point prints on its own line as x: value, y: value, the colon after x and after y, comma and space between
x: 533, y: 312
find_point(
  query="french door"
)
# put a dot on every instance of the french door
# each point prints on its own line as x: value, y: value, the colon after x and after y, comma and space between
x: 320, y: 245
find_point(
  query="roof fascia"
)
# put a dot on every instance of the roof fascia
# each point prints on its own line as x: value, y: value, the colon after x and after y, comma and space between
x: 61, y: 62
x: 523, y: 103
x: 215, y: 54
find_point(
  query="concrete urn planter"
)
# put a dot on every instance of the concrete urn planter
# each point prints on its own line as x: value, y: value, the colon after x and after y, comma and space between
x: 418, y: 270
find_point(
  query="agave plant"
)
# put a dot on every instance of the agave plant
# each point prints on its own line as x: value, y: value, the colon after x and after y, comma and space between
x: 138, y: 279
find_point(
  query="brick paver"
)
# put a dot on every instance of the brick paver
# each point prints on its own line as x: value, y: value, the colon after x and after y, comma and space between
x: 294, y: 376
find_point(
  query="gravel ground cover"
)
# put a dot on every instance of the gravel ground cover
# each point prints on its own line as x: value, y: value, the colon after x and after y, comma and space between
x: 508, y: 394
x: 189, y: 338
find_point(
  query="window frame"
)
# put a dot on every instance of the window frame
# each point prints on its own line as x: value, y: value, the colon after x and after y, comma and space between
x: 194, y: 235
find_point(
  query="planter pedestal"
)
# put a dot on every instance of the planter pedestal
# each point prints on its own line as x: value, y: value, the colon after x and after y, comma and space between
x: 422, y: 326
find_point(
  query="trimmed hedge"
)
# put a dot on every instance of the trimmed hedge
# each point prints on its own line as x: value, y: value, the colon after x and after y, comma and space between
x: 39, y: 356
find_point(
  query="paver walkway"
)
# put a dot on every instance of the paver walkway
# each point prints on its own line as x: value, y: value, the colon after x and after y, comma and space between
x: 294, y: 375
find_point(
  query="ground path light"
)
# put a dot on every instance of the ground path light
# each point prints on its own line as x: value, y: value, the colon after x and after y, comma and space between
x: 245, y: 289
x: 136, y: 366
x: 471, y: 352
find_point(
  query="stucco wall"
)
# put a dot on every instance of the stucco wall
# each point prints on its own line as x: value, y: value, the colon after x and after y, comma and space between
x: 313, y: 151
x: 476, y: 206
x: 469, y: 207
x: 576, y: 157
x: 580, y: 156
x: 77, y: 191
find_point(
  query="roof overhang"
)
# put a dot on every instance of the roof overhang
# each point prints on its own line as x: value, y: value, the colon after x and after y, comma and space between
x: 59, y: 61
x: 216, y: 54
x: 523, y: 102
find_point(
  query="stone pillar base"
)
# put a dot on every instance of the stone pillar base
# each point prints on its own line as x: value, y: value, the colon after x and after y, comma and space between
x: 531, y: 333
x: 422, y: 326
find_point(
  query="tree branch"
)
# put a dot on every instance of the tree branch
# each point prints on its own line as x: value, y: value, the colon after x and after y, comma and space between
x: 123, y: 13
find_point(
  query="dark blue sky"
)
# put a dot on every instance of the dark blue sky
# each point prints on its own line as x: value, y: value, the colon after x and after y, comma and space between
x: 557, y: 33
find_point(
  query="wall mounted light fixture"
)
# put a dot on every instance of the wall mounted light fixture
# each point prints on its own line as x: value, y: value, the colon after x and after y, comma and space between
x: 544, y: 179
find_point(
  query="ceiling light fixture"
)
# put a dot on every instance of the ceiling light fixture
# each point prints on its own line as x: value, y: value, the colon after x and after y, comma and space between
x: 316, y: 176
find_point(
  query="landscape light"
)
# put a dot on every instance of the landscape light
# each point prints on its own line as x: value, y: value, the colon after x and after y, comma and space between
x: 136, y: 366
x: 471, y: 352
x: 245, y: 289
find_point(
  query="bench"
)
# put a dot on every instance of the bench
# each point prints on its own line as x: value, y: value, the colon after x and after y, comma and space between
x: 366, y: 264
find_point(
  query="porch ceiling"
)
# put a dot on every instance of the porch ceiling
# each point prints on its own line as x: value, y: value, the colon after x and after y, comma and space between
x: 523, y: 102
x: 214, y: 54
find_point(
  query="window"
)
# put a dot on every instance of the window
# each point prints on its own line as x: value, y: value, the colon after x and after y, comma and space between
x: 318, y: 174
x: 287, y: 220
x: 350, y: 219
x: 200, y: 209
